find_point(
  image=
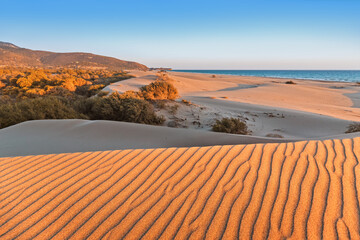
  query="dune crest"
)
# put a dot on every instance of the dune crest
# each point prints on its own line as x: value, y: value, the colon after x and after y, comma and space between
x: 296, y: 190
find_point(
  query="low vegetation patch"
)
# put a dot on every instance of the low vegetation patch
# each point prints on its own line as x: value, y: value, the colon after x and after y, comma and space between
x: 159, y: 90
x: 354, y: 127
x: 33, y: 94
x: 36, y: 109
x: 231, y: 125
x: 22, y: 83
x: 117, y: 108
x: 290, y: 82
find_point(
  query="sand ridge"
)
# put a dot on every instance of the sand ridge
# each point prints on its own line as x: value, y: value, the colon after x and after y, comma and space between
x: 299, y: 190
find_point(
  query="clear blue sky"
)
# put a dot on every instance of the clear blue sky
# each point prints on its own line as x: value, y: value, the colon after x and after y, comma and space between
x: 193, y: 34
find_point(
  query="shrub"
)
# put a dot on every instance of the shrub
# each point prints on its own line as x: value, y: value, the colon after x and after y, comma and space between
x: 89, y: 90
x: 230, y: 125
x: 354, y: 127
x: 24, y: 82
x: 35, y: 92
x: 116, y: 108
x: 58, y: 91
x: 34, y: 109
x: 159, y: 90
x: 131, y: 94
x: 2, y: 84
x: 103, y: 93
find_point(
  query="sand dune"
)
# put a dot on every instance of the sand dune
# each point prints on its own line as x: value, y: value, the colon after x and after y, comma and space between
x: 297, y: 190
x: 68, y: 136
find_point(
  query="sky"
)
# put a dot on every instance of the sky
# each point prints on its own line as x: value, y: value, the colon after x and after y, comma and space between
x: 193, y: 34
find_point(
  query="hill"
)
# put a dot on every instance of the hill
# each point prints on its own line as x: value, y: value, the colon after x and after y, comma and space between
x: 12, y: 55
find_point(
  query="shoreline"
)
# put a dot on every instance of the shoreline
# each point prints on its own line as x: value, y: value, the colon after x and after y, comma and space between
x: 283, y: 78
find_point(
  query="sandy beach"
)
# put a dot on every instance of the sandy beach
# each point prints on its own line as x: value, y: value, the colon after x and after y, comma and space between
x: 306, y: 109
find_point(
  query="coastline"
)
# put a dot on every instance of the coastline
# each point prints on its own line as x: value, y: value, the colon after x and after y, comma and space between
x: 284, y: 78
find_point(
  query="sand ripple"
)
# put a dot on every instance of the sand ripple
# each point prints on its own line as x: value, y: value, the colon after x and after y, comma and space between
x: 289, y: 190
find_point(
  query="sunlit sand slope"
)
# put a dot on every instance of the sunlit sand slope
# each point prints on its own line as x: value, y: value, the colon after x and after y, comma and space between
x: 297, y: 190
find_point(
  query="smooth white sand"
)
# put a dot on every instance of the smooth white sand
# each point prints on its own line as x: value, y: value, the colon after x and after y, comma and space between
x: 68, y: 136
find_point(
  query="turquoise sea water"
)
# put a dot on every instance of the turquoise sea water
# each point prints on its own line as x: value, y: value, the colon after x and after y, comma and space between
x: 334, y: 75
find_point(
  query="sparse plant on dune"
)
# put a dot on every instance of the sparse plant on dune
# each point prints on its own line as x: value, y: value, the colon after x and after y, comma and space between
x: 231, y: 125
x: 354, y: 127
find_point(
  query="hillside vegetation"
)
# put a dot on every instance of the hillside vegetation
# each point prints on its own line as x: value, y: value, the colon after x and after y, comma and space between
x: 33, y: 94
x: 22, y: 83
x: 12, y: 55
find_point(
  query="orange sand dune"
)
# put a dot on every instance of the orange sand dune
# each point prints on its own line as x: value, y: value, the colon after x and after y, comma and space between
x: 298, y: 190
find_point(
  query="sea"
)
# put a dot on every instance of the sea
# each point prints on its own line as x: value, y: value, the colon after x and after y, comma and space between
x: 324, y: 75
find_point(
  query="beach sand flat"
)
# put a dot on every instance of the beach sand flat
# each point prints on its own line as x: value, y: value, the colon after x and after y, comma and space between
x: 304, y: 110
x: 335, y: 99
x: 299, y: 190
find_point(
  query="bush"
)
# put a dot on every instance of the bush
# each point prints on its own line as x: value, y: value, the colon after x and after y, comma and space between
x: 35, y: 92
x: 35, y: 109
x: 103, y: 93
x: 24, y: 82
x: 89, y: 90
x: 159, y: 90
x: 354, y: 127
x: 230, y: 125
x: 114, y: 107
x: 131, y: 94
